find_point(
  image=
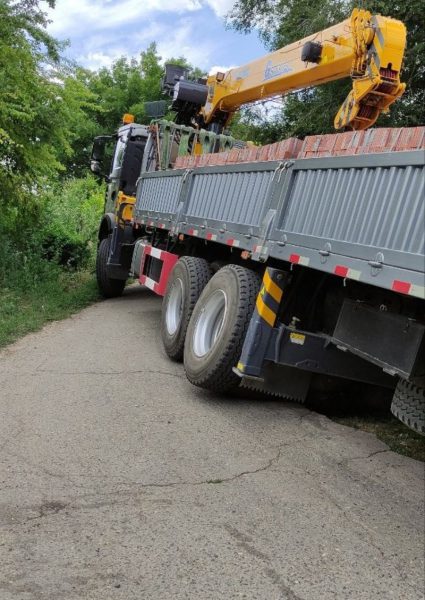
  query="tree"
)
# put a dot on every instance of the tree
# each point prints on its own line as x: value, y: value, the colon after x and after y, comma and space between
x: 312, y: 110
x: 26, y: 94
x: 126, y: 86
x: 42, y: 107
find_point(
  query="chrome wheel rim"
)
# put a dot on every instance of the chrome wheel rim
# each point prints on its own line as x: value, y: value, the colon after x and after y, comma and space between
x: 209, y: 323
x: 173, y: 314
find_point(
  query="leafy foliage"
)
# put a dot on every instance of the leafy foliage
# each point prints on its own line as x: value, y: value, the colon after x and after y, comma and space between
x: 42, y: 107
x: 110, y: 92
x: 125, y: 87
x: 71, y: 218
x: 50, y: 110
x: 285, y: 21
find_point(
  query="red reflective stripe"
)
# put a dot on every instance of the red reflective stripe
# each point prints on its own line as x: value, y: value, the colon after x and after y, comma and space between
x: 341, y: 271
x: 294, y: 258
x: 168, y: 260
x: 230, y: 242
x: 401, y: 286
x: 190, y: 232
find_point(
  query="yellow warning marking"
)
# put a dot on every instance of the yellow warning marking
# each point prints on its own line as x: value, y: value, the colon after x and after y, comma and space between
x: 297, y: 338
x: 272, y: 288
x: 240, y: 366
x: 264, y: 311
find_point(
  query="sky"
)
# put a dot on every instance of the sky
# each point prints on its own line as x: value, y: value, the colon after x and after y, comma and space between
x: 101, y: 31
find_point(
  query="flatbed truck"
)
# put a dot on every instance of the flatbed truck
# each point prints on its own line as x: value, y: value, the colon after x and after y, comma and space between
x: 275, y: 272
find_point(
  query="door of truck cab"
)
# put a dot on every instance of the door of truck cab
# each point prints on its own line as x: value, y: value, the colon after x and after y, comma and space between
x: 125, y: 166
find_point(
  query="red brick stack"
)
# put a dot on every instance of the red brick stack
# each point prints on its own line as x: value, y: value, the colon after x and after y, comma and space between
x: 384, y: 139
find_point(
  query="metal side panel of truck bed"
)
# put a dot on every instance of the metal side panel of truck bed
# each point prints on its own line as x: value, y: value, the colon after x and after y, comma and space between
x: 360, y: 217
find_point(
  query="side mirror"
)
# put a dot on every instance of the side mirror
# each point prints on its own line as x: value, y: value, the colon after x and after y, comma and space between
x: 95, y: 167
x: 98, y: 159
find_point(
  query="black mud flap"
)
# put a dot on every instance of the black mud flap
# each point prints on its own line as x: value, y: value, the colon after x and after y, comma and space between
x: 393, y: 342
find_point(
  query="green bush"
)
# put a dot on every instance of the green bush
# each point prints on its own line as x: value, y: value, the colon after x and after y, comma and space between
x: 61, y: 234
x: 66, y: 250
x: 47, y: 255
x: 71, y: 218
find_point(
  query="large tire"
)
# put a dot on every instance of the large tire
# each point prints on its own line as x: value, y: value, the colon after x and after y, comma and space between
x: 408, y: 405
x: 109, y: 288
x: 185, y: 284
x: 218, y: 326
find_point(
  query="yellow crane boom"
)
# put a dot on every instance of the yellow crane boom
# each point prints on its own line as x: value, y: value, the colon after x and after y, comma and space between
x: 368, y: 48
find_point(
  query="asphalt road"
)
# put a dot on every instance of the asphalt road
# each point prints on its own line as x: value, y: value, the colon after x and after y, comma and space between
x: 119, y: 480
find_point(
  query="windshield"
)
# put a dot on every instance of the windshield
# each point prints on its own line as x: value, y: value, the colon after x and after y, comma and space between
x: 119, y: 151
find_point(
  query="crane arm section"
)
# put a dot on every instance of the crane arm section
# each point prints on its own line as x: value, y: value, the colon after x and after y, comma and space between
x: 368, y: 48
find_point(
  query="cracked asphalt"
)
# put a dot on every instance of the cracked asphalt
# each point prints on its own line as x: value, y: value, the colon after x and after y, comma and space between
x: 119, y: 480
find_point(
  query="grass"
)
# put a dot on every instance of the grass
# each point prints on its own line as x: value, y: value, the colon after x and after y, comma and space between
x: 389, y: 430
x: 368, y: 408
x: 57, y: 295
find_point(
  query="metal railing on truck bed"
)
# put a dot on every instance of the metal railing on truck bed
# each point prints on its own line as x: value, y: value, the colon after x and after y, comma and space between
x: 359, y: 217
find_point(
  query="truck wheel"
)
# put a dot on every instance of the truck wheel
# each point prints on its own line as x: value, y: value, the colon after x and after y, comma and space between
x: 218, y: 327
x: 408, y: 405
x: 185, y: 284
x: 109, y: 288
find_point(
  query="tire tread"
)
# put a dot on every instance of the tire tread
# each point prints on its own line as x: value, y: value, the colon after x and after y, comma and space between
x: 199, y: 273
x: 220, y: 376
x: 408, y: 405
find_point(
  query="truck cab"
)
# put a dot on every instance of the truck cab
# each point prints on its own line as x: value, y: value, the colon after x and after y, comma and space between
x: 122, y: 170
x: 118, y: 160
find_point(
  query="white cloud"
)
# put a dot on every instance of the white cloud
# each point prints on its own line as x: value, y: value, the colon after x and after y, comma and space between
x: 98, y: 51
x: 70, y: 17
x: 97, y: 60
x: 173, y: 41
x: 101, y: 31
x: 221, y: 7
x: 178, y: 41
x: 220, y: 69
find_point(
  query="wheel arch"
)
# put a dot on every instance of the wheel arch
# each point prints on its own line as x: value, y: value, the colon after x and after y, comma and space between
x: 106, y: 226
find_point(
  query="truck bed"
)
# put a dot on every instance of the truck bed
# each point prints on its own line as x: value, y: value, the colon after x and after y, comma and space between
x: 359, y: 217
